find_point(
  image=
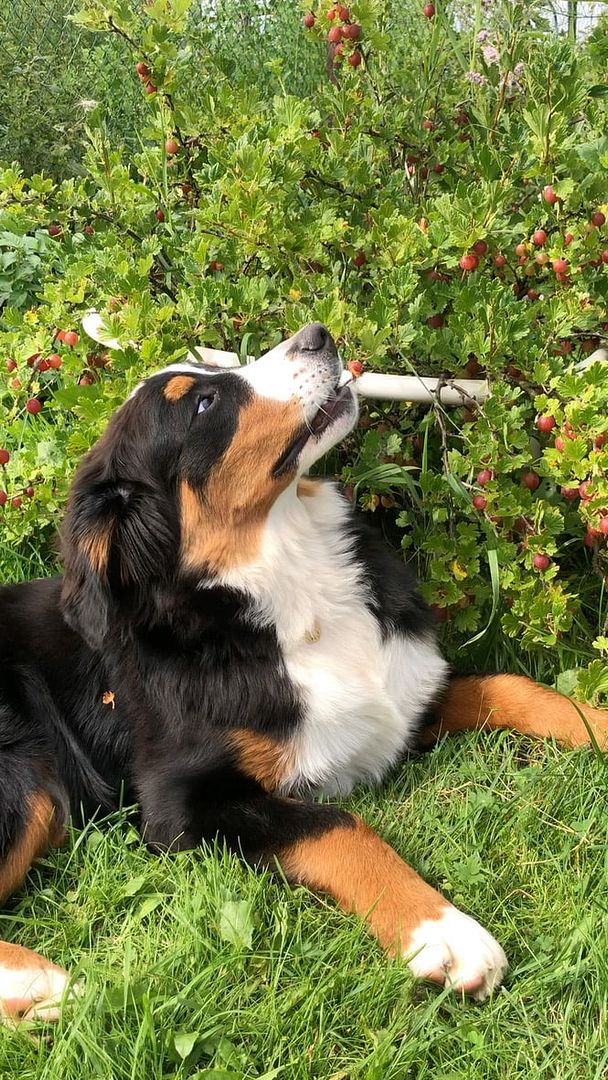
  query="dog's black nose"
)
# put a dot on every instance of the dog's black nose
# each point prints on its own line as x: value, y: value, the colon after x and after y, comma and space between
x: 313, y: 338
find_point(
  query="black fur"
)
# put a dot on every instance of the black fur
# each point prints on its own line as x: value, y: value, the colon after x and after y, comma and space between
x: 180, y: 667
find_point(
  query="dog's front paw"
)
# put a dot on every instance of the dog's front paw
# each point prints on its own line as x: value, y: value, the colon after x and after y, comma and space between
x: 31, y: 988
x: 456, y: 951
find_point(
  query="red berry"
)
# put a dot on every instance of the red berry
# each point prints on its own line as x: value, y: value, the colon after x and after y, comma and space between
x: 343, y: 12
x: 485, y: 476
x: 355, y: 59
x: 16, y: 384
x: 583, y: 491
x: 591, y: 537
x: 438, y: 168
x: 352, y: 32
x: 55, y: 230
x: 335, y: 34
x: 480, y: 248
x: 331, y: 14
x: 17, y: 501
x: 360, y: 258
x: 540, y: 237
x: 87, y: 379
x: 5, y: 457
x: 33, y: 405
x: 71, y: 337
x: 3, y: 498
x: 600, y: 441
x: 541, y: 562
x: 500, y: 261
x: 43, y: 365
x: 520, y: 249
x: 541, y: 258
x: 11, y: 365
x: 480, y: 502
x: 531, y: 480
x: 605, y: 256
x: 549, y: 195
x: 30, y: 492
x: 60, y: 335
x: 533, y: 294
x: 570, y: 493
x: 568, y: 238
x: 356, y: 368
x: 469, y: 262
x: 561, y: 266
x: 309, y: 20
x: 142, y: 70
x: 565, y: 347
x: 172, y: 146
x: 151, y: 88
x: 545, y: 422
x: 436, y: 321
x: 159, y: 215
x: 338, y: 51
x: 428, y: 10
x: 559, y: 443
x: 215, y: 265
x: 428, y: 125
x: 55, y: 361
x: 598, y: 219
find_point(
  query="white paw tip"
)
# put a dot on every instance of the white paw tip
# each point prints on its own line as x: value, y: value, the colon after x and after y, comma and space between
x: 454, y: 950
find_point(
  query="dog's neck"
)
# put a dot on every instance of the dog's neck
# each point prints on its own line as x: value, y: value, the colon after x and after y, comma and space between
x: 306, y: 570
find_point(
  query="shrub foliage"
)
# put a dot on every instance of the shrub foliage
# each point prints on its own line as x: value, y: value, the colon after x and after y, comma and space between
x: 437, y: 201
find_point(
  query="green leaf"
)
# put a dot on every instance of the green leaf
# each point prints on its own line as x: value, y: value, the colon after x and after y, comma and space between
x: 236, y: 924
x: 184, y: 1043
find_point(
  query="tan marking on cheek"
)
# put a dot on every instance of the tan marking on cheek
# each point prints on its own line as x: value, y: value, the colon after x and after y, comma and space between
x: 223, y: 526
x: 308, y: 488
x: 178, y: 386
x: 267, y: 761
x: 96, y: 546
x: 41, y: 832
x: 367, y: 877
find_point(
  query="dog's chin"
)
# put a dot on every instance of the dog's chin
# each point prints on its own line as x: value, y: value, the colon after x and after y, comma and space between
x: 332, y: 423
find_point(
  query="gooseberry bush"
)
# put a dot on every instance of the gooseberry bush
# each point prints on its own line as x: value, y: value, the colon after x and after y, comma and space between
x: 439, y: 203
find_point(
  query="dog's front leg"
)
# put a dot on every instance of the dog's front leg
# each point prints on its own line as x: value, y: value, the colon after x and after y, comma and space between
x: 334, y: 852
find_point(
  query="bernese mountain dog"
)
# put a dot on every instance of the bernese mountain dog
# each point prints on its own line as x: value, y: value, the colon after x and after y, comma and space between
x: 227, y: 641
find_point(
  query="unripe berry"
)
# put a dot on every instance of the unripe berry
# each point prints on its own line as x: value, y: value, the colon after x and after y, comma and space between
x: 521, y: 250
x: 559, y: 443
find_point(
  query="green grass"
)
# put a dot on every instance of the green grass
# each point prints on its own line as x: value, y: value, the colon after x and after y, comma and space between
x: 194, y: 955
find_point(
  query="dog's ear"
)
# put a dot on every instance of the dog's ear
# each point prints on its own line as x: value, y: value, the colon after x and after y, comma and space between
x: 119, y: 536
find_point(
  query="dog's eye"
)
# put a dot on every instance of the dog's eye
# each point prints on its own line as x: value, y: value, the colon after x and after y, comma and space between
x: 205, y: 403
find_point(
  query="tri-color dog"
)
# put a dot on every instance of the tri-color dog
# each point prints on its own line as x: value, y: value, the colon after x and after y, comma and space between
x: 258, y: 645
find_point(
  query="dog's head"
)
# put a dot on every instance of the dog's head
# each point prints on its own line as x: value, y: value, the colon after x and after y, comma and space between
x: 186, y: 475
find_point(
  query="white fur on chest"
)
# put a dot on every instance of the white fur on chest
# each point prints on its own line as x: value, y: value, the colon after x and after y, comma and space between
x: 362, y: 696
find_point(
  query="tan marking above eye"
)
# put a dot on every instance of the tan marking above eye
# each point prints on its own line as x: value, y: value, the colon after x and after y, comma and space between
x: 97, y: 546
x: 178, y: 386
x: 222, y: 526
